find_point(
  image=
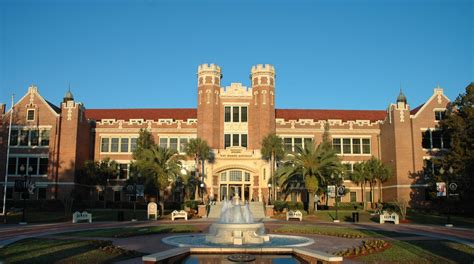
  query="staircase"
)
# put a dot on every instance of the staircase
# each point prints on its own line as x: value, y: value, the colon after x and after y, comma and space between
x: 256, y: 208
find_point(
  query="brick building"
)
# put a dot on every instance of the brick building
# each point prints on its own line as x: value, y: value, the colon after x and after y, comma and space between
x: 56, y: 140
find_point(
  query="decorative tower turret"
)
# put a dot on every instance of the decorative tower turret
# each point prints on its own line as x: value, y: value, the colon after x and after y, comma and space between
x: 263, y: 103
x: 209, y: 80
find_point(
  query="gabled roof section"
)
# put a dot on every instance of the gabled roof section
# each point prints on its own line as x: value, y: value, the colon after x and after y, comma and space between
x: 415, y: 110
x: 34, y: 89
x: 325, y: 114
x: 437, y: 93
x: 143, y: 113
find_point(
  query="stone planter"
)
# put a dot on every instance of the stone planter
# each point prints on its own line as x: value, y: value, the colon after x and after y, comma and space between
x: 269, y: 210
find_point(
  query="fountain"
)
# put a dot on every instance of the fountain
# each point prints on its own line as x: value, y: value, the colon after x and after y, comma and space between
x: 236, y: 226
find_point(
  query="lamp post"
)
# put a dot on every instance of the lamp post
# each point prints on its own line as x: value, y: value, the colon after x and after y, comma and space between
x: 448, y: 189
x: 339, y: 189
x: 269, y: 194
x: 132, y: 188
x: 25, y: 190
x: 202, y: 192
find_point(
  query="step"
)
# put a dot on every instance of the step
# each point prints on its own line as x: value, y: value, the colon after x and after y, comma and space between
x: 255, y: 207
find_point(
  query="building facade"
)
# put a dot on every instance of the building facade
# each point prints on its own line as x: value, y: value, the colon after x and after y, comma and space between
x: 55, y: 141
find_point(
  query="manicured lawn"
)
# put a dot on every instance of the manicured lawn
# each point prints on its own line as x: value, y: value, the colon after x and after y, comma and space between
x: 436, y: 219
x: 134, y: 231
x: 422, y: 251
x: 42, y: 250
x: 338, y: 231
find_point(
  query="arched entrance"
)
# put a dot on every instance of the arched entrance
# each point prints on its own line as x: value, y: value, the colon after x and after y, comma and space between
x: 233, y: 182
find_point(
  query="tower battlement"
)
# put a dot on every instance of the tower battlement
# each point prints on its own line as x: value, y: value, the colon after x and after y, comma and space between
x: 263, y: 68
x: 209, y: 68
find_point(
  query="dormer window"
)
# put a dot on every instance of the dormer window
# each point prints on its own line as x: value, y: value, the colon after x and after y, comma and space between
x: 30, y: 115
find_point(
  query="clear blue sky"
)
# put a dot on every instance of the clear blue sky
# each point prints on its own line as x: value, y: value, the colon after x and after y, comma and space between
x: 145, y: 53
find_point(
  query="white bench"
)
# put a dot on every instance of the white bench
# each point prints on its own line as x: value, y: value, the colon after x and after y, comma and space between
x: 388, y: 217
x: 84, y: 216
x: 181, y: 214
x: 294, y: 215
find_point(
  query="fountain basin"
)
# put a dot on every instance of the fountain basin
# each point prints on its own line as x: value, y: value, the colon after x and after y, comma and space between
x: 237, y: 234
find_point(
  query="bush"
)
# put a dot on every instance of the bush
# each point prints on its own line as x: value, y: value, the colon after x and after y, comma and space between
x: 349, y: 206
x: 295, y: 206
x: 193, y: 204
x: 279, y: 205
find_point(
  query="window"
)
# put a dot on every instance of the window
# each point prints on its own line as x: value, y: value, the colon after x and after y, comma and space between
x: 368, y: 196
x: 24, y: 134
x: 33, y: 163
x: 247, y: 176
x: 34, y: 137
x: 183, y: 142
x: 104, y: 146
x: 133, y: 144
x: 439, y: 115
x: 434, y: 139
x: 123, y: 171
x: 45, y: 137
x: 346, y: 145
x: 227, y: 114
x: 114, y: 145
x: 295, y: 144
x: 14, y: 137
x: 336, y: 145
x: 235, y: 140
x: 164, y: 142
x: 348, y: 167
x: 11, y: 166
x: 244, y: 140
x: 117, y: 196
x: 226, y: 140
x: 243, y: 114
x: 366, y: 145
x: 353, y: 197
x: 9, y: 193
x: 124, y: 145
x: 30, y: 115
x: 174, y: 144
x: 235, y: 175
x: 235, y: 114
x: 41, y: 193
x: 356, y: 146
x: 353, y: 146
x: 22, y: 162
x: 43, y: 166
x: 224, y: 176
x: 100, y: 195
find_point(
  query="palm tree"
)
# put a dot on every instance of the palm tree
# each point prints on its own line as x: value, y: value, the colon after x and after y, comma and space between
x: 160, y: 166
x: 381, y: 173
x: 358, y: 176
x: 272, y: 150
x: 200, y: 151
x: 314, y: 164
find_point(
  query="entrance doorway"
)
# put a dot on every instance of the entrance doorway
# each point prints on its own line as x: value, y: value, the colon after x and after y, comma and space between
x: 235, y: 182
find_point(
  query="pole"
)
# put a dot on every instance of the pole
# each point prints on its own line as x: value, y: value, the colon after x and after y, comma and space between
x: 25, y: 189
x: 6, y: 167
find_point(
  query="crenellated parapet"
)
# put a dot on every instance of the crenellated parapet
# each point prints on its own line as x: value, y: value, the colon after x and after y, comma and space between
x: 209, y: 74
x: 263, y: 75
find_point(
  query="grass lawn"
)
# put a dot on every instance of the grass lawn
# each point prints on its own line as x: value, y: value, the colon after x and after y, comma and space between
x: 42, y: 250
x: 338, y: 231
x: 134, y: 231
x: 422, y: 251
x: 433, y: 219
x: 330, y: 215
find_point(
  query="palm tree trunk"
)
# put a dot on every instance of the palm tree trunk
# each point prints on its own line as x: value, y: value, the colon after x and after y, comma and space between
x: 273, y: 175
x: 380, y: 191
x: 196, y: 174
x: 311, y: 203
x: 362, y: 188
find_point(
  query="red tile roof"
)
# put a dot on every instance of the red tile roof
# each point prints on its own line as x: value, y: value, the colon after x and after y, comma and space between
x: 146, y: 114
x: 318, y: 114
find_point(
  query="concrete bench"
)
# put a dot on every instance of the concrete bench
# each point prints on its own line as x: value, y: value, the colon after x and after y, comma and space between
x: 84, y: 216
x: 389, y: 217
x: 294, y: 215
x: 179, y: 214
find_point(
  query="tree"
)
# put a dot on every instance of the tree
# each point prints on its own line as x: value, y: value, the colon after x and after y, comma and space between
x: 314, y: 164
x: 272, y: 150
x: 99, y: 172
x: 159, y: 166
x: 381, y: 173
x: 358, y: 176
x: 200, y: 151
x: 145, y: 141
x: 458, y: 126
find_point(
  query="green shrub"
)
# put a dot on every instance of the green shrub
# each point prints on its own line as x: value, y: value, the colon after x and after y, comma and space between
x: 193, y: 204
x: 295, y: 206
x: 279, y: 205
x: 349, y: 206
